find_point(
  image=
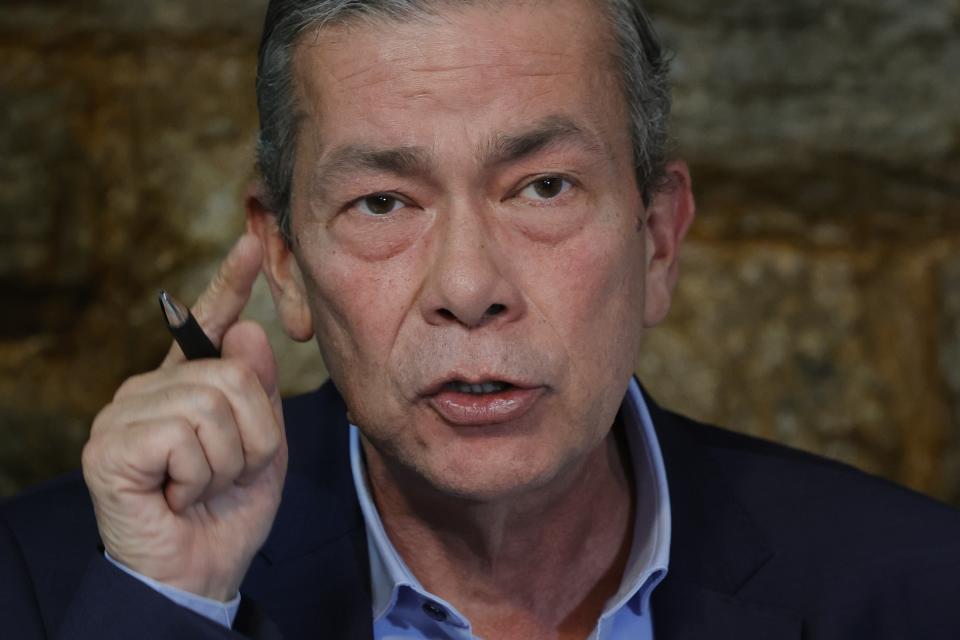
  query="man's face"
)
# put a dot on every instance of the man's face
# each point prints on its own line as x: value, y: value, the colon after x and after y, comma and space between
x: 464, y: 211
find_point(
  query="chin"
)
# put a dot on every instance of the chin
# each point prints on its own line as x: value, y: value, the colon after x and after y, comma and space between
x: 492, y: 473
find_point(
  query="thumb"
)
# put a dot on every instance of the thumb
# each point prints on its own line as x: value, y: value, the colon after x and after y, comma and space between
x: 219, y: 306
x: 247, y: 341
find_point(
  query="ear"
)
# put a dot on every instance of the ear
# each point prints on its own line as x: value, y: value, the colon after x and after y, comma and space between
x: 667, y: 220
x: 279, y: 266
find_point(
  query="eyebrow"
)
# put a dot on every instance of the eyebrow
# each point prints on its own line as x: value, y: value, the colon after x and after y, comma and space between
x: 501, y: 149
x: 402, y: 161
x: 551, y: 131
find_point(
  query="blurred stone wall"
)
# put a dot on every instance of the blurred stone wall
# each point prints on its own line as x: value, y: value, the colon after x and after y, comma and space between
x: 819, y: 302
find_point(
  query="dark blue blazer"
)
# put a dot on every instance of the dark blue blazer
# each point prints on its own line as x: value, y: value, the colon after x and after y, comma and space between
x: 768, y: 543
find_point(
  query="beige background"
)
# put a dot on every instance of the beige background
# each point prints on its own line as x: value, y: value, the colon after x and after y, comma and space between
x: 819, y: 302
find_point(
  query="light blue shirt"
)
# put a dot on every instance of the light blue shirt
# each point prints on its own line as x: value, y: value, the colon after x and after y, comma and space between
x: 220, y: 612
x: 402, y: 608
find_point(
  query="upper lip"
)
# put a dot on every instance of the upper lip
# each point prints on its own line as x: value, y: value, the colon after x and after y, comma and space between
x: 437, y: 385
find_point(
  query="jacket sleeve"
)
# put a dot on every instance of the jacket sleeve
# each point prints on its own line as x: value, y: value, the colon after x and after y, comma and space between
x: 112, y: 604
x: 19, y: 609
x: 105, y: 603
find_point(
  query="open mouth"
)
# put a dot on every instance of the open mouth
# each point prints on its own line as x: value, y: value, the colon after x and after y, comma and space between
x: 494, y: 386
x: 484, y: 402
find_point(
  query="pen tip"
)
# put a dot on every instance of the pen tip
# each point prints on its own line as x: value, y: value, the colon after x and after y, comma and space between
x: 173, y: 311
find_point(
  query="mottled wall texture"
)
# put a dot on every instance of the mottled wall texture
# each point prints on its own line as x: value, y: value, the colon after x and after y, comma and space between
x: 819, y: 302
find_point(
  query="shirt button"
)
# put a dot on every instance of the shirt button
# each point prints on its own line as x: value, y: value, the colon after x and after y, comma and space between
x: 434, y: 611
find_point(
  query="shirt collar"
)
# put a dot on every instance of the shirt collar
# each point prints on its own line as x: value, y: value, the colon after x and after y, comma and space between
x: 649, y: 553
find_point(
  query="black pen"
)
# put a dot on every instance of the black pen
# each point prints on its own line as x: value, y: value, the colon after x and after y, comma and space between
x: 185, y: 330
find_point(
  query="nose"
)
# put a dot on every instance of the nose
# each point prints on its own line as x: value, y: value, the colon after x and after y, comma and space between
x: 469, y: 281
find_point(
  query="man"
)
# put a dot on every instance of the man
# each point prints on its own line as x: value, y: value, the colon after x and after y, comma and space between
x: 469, y: 206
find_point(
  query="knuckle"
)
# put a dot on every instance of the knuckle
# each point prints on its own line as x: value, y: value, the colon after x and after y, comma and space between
x: 232, y: 467
x: 129, y: 386
x: 201, y: 309
x: 94, y: 460
x: 238, y: 375
x: 169, y: 396
x: 267, y: 444
x: 181, y: 433
x: 208, y: 401
x: 102, y: 421
x: 218, y: 281
x: 89, y: 456
x: 273, y: 441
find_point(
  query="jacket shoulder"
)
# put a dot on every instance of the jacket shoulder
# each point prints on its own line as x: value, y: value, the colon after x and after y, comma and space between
x: 827, y: 514
x: 48, y: 536
x: 39, y: 516
x: 848, y: 554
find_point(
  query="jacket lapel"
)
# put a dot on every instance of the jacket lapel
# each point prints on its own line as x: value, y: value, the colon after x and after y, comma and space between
x: 716, y: 550
x: 686, y: 611
x: 312, y: 575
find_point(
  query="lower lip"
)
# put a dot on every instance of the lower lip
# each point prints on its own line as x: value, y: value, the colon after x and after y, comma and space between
x: 477, y: 409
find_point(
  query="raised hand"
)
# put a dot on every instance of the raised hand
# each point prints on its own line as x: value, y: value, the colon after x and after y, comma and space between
x: 186, y: 464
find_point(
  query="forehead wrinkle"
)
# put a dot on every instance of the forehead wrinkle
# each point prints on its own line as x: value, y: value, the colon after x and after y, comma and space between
x: 504, y: 148
x: 401, y: 161
x: 499, y: 149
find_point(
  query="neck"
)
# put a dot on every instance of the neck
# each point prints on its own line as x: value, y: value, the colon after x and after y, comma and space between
x: 540, y: 564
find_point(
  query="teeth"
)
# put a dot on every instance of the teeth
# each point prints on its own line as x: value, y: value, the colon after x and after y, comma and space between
x: 485, y: 387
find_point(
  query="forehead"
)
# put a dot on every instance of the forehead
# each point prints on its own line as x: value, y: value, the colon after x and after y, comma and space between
x: 507, y: 62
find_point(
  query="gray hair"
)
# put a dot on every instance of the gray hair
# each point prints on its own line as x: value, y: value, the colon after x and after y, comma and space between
x: 639, y: 55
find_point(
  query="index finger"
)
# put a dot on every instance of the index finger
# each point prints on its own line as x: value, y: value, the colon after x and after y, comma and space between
x: 225, y: 298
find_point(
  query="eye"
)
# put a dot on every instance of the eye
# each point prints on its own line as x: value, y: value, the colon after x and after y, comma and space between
x: 379, y: 204
x: 546, y: 188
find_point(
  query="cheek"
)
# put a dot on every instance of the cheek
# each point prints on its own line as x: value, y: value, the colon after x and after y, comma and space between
x: 357, y: 307
x: 357, y: 310
x: 591, y: 292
